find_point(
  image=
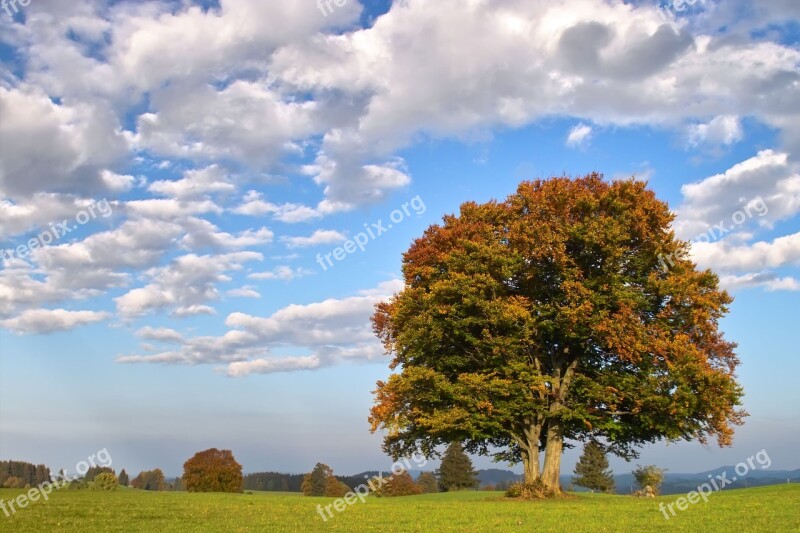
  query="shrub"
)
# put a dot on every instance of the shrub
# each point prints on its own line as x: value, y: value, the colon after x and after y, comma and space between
x: 13, y: 483
x: 399, y: 485
x: 649, y: 476
x: 528, y: 491
x: 106, y: 481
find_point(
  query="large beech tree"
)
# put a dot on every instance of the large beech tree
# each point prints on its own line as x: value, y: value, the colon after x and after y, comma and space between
x: 550, y: 316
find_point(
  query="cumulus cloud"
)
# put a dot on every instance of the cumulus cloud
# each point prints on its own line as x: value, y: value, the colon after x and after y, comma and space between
x: 333, y: 331
x: 318, y: 238
x: 185, y: 285
x: 160, y: 334
x: 721, y: 130
x: 38, y: 321
x: 281, y: 272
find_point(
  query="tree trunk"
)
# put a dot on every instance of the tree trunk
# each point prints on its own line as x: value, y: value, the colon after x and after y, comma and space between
x: 530, y: 453
x: 552, y: 456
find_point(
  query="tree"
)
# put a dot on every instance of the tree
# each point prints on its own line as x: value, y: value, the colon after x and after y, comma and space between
x: 123, y: 478
x: 399, y: 485
x: 315, y: 482
x: 335, y: 488
x: 428, y: 483
x: 592, y: 471
x: 150, y: 480
x: 212, y: 470
x: 456, y: 472
x: 549, y: 316
x: 105, y: 481
x: 95, y: 471
x: 649, y: 476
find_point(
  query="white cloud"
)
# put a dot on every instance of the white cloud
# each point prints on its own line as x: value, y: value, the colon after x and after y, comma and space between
x: 579, y: 135
x: 290, y: 213
x: 768, y: 176
x: 246, y: 291
x: 333, y: 331
x: 722, y: 130
x: 282, y: 272
x: 319, y: 237
x: 195, y: 184
x: 269, y: 366
x: 160, y: 334
x: 185, y: 285
x: 38, y: 321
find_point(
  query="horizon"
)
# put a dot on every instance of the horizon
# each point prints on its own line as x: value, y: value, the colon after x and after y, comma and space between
x: 201, y: 202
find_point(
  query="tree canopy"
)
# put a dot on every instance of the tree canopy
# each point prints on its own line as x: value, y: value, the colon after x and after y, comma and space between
x: 549, y: 316
x: 212, y: 470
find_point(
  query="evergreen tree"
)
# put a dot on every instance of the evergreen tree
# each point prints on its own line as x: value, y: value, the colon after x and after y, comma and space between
x: 456, y: 472
x: 592, y: 471
x: 123, y: 478
x: 428, y: 483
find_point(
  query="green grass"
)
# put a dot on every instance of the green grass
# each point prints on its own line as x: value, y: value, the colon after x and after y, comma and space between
x: 770, y: 509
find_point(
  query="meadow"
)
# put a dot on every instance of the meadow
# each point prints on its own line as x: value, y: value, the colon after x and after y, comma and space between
x: 774, y: 508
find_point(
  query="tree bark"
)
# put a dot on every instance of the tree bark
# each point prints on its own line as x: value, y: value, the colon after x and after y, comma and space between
x: 552, y: 456
x: 530, y: 453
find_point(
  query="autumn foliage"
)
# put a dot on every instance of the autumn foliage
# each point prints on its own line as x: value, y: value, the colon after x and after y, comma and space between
x: 549, y: 316
x: 212, y: 471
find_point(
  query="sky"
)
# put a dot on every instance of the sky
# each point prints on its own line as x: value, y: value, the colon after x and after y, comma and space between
x: 176, y: 179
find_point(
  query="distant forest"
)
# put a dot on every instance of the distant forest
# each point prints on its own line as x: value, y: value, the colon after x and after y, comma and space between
x: 18, y: 474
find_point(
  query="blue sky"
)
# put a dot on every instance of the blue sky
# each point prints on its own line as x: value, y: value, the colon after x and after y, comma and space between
x: 232, y: 143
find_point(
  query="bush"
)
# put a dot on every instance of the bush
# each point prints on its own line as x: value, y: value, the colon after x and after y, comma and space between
x: 13, y: 483
x: 649, y: 476
x: 105, y: 481
x: 399, y: 485
x: 528, y: 491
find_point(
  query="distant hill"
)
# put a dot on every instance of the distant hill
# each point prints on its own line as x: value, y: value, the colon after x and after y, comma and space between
x: 673, y: 483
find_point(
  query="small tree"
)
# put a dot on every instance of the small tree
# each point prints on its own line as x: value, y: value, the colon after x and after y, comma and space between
x: 150, y: 480
x: 95, y: 471
x: 592, y: 469
x: 123, y: 478
x: 316, y: 481
x: 428, y: 483
x: 213, y: 470
x: 335, y: 488
x: 399, y: 485
x: 649, y: 476
x: 456, y: 472
x: 105, y: 481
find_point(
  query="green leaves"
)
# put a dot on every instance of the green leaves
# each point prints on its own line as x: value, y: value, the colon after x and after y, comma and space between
x: 553, y: 308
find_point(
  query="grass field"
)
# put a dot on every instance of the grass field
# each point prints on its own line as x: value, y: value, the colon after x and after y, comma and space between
x: 771, y: 509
